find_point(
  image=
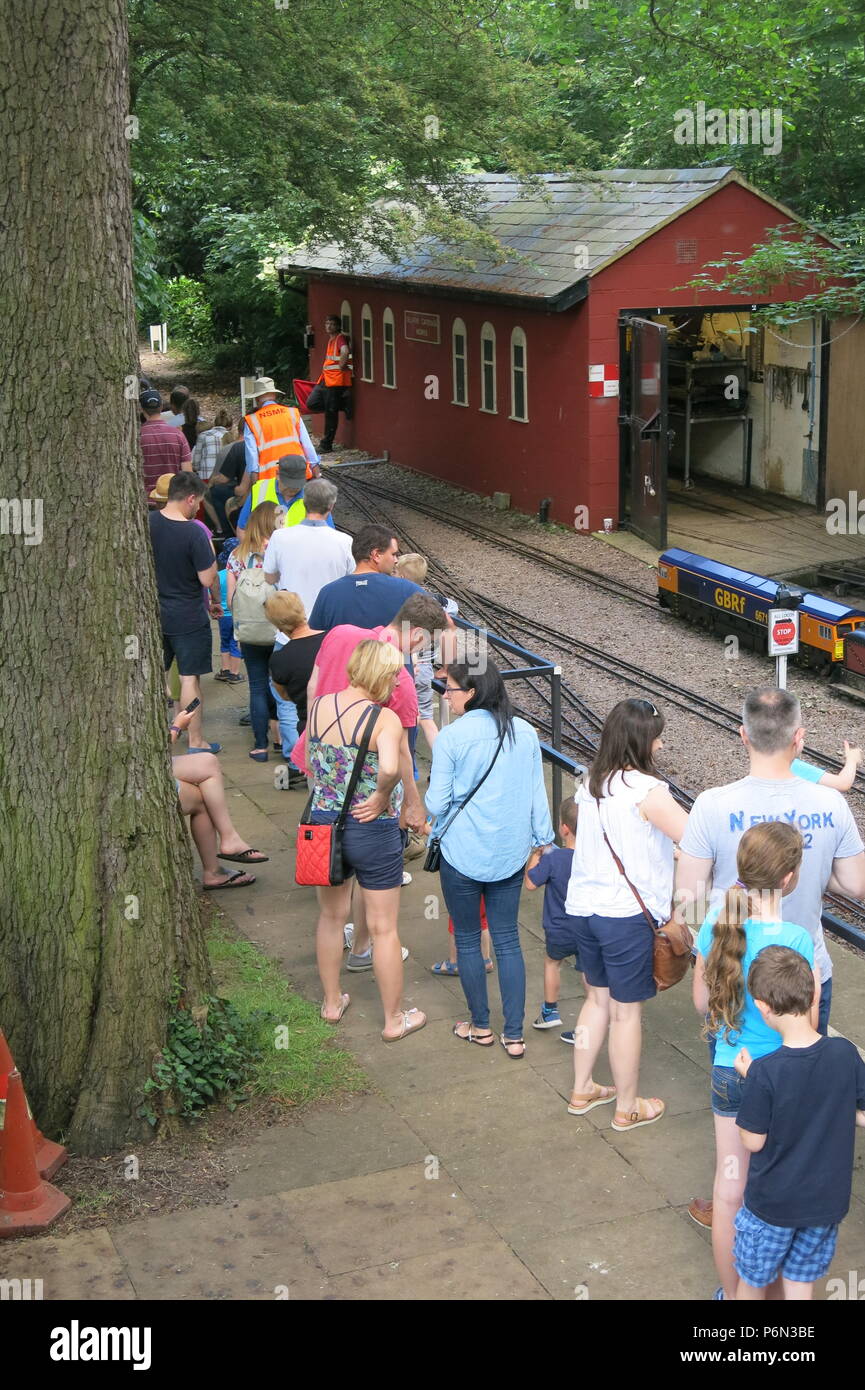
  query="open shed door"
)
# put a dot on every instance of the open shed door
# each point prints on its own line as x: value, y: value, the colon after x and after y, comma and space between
x: 647, y: 423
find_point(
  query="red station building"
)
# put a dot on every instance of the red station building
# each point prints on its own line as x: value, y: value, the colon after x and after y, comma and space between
x: 571, y: 372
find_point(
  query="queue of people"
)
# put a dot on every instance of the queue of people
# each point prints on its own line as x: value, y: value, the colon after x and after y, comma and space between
x: 338, y: 648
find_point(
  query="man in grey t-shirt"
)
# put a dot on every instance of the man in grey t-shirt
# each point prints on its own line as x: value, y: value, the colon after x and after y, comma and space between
x: 833, y: 855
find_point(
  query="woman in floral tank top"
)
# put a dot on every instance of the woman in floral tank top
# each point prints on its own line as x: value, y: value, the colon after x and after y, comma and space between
x: 372, y: 839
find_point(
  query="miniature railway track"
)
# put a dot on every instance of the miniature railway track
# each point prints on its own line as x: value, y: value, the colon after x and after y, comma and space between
x: 581, y: 724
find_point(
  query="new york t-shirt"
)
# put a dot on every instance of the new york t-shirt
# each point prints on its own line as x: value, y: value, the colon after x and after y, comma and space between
x: 720, y: 817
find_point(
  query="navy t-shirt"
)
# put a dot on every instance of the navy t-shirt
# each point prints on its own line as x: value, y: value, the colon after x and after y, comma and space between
x: 554, y: 869
x: 181, y: 550
x: 805, y: 1100
x: 361, y: 600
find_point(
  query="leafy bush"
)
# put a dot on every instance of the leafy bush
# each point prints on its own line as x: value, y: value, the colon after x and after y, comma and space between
x: 190, y: 318
x: 202, y: 1064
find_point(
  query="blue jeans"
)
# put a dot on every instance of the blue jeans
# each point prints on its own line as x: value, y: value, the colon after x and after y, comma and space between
x: 825, y: 1006
x: 286, y: 713
x: 261, y: 706
x: 502, y: 898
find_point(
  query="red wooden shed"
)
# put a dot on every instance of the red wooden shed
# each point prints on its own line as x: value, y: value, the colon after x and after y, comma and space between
x: 566, y: 373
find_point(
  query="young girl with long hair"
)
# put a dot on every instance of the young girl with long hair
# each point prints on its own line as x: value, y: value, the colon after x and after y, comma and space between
x: 749, y: 919
x: 249, y: 554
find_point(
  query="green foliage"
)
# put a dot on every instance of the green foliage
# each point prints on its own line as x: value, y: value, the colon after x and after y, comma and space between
x: 203, y: 1063
x: 150, y: 298
x: 189, y: 315
x: 789, y: 256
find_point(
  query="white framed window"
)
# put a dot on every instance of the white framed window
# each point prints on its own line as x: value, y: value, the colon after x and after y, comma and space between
x: 345, y: 315
x: 460, y: 363
x: 389, y: 346
x: 519, y: 393
x: 366, y: 345
x: 488, y: 369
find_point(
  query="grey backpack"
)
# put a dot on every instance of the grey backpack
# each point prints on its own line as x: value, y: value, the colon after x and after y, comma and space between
x: 247, y: 607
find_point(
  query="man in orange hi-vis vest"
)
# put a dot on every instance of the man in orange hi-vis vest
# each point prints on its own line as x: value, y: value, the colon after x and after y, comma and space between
x: 272, y: 432
x: 336, y: 379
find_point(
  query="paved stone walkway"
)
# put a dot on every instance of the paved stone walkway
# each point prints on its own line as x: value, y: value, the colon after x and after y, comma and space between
x: 462, y: 1176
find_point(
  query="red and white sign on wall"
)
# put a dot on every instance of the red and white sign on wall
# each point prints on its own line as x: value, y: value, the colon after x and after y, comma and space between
x: 422, y: 328
x: 604, y: 380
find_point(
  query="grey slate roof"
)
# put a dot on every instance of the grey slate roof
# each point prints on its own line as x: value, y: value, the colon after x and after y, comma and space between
x: 608, y: 214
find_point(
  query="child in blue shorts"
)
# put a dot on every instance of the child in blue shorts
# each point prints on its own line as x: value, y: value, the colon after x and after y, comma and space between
x: 797, y: 1118
x: 229, y: 647
x: 553, y: 868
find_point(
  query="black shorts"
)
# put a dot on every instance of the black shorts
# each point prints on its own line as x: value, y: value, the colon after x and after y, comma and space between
x: 193, y: 650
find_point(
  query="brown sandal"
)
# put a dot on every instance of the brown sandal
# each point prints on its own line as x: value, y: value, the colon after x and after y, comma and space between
x: 640, y: 1116
x: 601, y: 1095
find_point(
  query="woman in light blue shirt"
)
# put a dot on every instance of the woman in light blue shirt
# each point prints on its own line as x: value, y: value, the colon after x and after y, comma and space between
x: 486, y: 841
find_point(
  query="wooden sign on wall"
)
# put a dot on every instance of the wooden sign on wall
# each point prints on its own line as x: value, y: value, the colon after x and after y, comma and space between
x: 422, y: 328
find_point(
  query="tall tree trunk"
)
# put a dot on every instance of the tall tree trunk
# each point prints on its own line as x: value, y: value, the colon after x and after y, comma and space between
x: 98, y: 910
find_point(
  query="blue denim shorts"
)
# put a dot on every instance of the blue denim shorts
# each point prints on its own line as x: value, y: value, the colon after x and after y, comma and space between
x: 761, y: 1252
x: 616, y: 954
x: 727, y: 1087
x: 372, y: 850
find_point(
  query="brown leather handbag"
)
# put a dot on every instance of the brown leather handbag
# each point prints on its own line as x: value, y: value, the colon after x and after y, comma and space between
x: 673, y: 941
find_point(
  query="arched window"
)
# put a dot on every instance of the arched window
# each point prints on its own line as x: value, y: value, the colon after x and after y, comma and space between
x: 519, y: 396
x: 345, y: 315
x: 389, y: 339
x: 488, y: 369
x: 460, y: 365
x: 366, y: 357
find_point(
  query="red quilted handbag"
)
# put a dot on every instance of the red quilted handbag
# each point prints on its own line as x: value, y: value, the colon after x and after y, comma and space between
x: 319, y: 862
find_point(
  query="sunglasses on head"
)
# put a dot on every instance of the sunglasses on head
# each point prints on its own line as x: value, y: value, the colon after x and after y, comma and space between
x: 647, y: 704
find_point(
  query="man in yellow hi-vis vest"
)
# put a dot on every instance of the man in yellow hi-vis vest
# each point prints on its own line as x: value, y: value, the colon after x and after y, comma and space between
x: 272, y: 432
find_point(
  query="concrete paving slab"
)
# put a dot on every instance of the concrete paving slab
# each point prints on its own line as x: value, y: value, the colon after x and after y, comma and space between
x: 419, y: 1067
x: 81, y: 1266
x: 665, y: 1071
x: 565, y: 1179
x: 485, y: 1115
x: 619, y: 1260
x: 846, y: 1278
x: 489, y: 1271
x: 248, y: 1249
x: 384, y: 1218
x: 676, y: 1155
x: 314, y: 1150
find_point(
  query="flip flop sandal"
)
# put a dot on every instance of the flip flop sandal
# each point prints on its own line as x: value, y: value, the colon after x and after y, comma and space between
x: 260, y: 757
x: 406, y: 1026
x: 513, y: 1042
x: 233, y: 881
x: 247, y: 856
x: 638, y: 1117
x: 592, y: 1098
x: 210, y: 748
x: 343, y: 1005
x: 482, y: 1039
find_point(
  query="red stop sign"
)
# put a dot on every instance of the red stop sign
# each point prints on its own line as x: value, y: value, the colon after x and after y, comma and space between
x: 783, y: 633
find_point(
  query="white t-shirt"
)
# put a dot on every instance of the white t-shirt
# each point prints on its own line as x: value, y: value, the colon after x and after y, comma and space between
x: 171, y: 419
x: 305, y: 558
x: 719, y: 818
x: 596, y: 886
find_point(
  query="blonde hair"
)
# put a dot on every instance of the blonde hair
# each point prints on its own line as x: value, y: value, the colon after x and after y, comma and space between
x: 767, y: 853
x: 374, y: 666
x: 285, y: 610
x: 259, y: 529
x: 413, y: 567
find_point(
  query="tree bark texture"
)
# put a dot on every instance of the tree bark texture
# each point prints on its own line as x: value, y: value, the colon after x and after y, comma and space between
x: 98, y: 910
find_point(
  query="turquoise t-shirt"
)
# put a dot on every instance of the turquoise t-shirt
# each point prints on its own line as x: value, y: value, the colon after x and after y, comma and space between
x: 807, y: 771
x: 754, y: 1034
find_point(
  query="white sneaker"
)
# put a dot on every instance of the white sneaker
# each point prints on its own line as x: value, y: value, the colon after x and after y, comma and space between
x: 406, y: 879
x: 347, y: 936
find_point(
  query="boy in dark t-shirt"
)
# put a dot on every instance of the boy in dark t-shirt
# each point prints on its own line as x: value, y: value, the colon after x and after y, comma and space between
x: 799, y: 1111
x: 553, y: 869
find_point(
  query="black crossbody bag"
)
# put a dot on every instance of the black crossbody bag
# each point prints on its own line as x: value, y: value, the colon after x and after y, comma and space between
x: 433, y: 859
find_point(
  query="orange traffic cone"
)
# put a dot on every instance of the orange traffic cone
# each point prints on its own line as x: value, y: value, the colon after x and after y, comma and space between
x: 50, y: 1157
x: 28, y: 1206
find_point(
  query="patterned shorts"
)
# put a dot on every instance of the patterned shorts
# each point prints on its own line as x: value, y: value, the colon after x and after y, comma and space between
x: 761, y: 1252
